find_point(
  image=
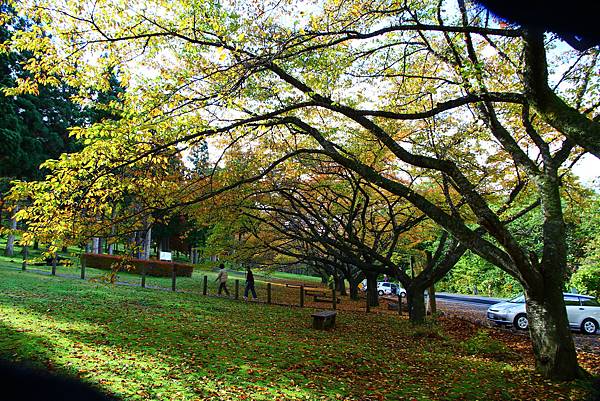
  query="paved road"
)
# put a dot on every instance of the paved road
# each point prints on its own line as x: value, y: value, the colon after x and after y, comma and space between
x: 468, y: 299
x: 473, y: 308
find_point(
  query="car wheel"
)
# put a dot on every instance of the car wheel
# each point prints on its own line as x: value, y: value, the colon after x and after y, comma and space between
x: 380, y: 292
x: 521, y: 322
x: 589, y: 326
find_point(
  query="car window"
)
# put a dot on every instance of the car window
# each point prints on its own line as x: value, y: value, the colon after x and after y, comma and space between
x: 518, y: 300
x: 386, y: 284
x: 570, y: 301
x: 590, y: 302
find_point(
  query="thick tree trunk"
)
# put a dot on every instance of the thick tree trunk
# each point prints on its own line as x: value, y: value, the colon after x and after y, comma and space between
x: 416, y: 303
x: 373, y: 297
x: 553, y: 345
x: 551, y: 337
x: 95, y: 245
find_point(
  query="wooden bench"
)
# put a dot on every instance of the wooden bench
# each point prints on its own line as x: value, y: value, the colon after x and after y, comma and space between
x: 329, y: 300
x: 324, y: 320
x: 315, y: 293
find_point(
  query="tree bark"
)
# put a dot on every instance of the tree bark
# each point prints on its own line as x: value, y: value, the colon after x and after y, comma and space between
x: 342, y: 285
x: 353, y: 284
x: 553, y: 346
x: 432, y: 302
x: 95, y: 245
x: 10, y: 241
x: 147, y: 243
x: 373, y: 297
x: 416, y: 303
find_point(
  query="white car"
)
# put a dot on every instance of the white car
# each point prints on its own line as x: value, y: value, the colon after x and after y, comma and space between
x: 385, y: 288
x: 583, y: 313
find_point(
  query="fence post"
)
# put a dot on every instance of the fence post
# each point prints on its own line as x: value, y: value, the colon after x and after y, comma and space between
x: 25, y: 255
x: 237, y: 288
x: 268, y: 293
x: 205, y: 286
x: 144, y: 275
x: 54, y: 264
x: 173, y: 277
x: 368, y: 305
x: 83, y: 268
x: 302, y: 296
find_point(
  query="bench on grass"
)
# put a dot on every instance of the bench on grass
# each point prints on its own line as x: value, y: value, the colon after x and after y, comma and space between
x: 324, y: 320
x: 315, y: 293
x: 328, y: 300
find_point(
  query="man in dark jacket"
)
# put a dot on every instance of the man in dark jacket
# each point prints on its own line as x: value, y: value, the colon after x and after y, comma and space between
x: 249, y: 285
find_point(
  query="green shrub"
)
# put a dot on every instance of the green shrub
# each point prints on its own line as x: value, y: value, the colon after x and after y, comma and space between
x: 482, y: 344
x: 156, y: 268
x: 587, y: 280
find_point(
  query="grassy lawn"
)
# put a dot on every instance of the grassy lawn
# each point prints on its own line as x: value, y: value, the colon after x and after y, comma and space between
x: 143, y: 344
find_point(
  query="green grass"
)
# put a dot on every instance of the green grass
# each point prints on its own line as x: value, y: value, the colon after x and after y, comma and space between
x: 145, y: 344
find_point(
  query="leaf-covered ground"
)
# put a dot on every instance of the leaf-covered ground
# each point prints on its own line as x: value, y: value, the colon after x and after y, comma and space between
x: 146, y: 344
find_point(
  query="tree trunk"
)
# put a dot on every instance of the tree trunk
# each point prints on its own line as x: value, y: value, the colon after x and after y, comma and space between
x: 553, y: 346
x: 373, y: 297
x: 342, y: 285
x: 353, y: 284
x: 147, y: 243
x: 95, y: 245
x: 432, y: 303
x: 10, y: 241
x: 36, y: 245
x: 416, y: 303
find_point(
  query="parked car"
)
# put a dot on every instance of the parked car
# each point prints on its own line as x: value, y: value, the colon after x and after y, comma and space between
x: 386, y: 288
x: 583, y: 313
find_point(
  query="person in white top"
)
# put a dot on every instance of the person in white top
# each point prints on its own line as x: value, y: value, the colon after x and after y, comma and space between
x: 222, y: 279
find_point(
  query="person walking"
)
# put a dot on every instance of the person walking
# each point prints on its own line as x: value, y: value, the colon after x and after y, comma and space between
x: 249, y: 285
x: 222, y: 279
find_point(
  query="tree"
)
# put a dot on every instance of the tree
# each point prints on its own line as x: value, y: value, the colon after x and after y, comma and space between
x: 422, y: 65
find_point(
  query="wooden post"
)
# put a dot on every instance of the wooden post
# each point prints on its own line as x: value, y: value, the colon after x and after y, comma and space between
x: 268, y: 293
x: 368, y: 306
x: 205, y: 286
x: 333, y: 297
x: 144, y: 276
x: 237, y: 288
x: 82, y: 268
x: 25, y: 255
x: 54, y: 264
x: 302, y: 296
x: 173, y: 277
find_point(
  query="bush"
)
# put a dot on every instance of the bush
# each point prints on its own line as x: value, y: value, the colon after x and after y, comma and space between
x: 587, y: 280
x: 156, y: 268
x: 482, y: 344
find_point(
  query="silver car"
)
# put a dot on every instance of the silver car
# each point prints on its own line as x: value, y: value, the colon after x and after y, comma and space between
x: 583, y: 312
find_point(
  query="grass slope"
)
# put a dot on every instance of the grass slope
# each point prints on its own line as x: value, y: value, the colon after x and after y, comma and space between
x: 158, y: 345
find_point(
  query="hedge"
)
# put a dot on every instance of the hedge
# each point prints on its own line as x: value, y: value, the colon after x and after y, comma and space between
x: 156, y: 268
